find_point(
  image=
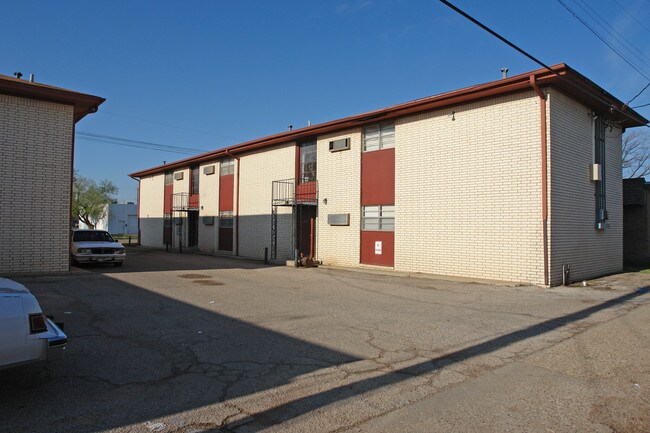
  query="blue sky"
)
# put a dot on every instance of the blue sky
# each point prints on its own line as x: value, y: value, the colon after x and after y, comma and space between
x: 208, y: 74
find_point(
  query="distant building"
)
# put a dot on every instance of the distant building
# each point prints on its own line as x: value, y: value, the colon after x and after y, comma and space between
x: 636, y: 222
x: 517, y: 179
x: 37, y: 124
x: 119, y: 219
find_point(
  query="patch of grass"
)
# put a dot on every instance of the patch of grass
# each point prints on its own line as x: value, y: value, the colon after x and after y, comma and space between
x: 645, y: 271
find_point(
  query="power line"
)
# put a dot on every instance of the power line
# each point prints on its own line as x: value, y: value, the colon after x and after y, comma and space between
x: 641, y: 106
x: 137, y: 143
x: 496, y: 35
x: 632, y: 16
x: 625, y: 59
x: 169, y: 125
x: 625, y: 43
x: 530, y: 56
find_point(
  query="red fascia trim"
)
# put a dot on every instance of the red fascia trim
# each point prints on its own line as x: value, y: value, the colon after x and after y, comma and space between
x: 84, y: 104
x: 561, y: 75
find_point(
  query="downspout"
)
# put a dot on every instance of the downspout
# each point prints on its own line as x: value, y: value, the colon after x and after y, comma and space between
x: 229, y: 153
x: 542, y: 115
x: 74, y: 126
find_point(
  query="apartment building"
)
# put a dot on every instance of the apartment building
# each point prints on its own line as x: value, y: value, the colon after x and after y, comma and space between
x: 36, y: 158
x: 517, y: 179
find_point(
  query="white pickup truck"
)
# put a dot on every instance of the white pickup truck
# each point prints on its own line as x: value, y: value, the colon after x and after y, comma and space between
x: 26, y: 335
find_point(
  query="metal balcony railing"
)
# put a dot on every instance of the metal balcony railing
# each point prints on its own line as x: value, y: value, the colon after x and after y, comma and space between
x: 287, y: 193
x: 183, y: 201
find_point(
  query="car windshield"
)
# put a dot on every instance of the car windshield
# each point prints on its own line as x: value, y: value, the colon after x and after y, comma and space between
x: 91, y: 236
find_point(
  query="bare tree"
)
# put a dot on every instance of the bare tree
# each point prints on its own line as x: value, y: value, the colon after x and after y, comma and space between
x: 636, y: 155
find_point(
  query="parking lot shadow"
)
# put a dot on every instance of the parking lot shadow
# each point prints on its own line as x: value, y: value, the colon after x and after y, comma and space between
x: 135, y: 355
x: 142, y: 259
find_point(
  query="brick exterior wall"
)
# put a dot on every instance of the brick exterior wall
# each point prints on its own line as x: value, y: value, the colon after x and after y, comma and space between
x: 574, y: 239
x: 35, y: 173
x: 151, y: 210
x: 339, y: 181
x: 257, y: 172
x: 467, y: 191
x: 209, y: 202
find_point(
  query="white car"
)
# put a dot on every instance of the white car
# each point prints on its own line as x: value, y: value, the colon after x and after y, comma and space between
x: 96, y: 246
x: 26, y: 335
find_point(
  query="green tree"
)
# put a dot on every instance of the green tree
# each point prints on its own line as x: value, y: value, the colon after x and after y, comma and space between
x: 90, y: 200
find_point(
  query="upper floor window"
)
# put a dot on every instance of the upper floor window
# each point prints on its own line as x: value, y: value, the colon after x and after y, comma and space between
x: 308, y: 162
x: 169, y: 178
x: 227, y: 166
x: 379, y: 137
x: 194, y: 180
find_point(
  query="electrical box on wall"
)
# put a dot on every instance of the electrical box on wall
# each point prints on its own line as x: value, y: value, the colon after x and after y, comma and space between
x: 208, y: 170
x: 338, y: 145
x: 178, y: 175
x: 596, y: 172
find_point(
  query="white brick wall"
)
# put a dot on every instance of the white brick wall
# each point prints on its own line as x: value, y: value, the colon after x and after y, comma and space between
x: 151, y: 210
x: 574, y: 239
x: 467, y: 191
x: 209, y: 202
x: 35, y: 174
x: 258, y: 170
x: 339, y: 181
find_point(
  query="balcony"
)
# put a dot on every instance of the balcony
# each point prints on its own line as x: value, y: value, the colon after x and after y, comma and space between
x: 183, y: 201
x: 287, y: 193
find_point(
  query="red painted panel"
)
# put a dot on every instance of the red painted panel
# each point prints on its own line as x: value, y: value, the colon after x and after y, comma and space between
x: 306, y: 192
x: 387, y: 256
x: 378, y: 177
x: 226, y: 192
x: 225, y: 239
x: 194, y: 201
x: 168, y: 198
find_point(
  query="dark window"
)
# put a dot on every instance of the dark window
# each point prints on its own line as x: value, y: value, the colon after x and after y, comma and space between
x: 194, y: 187
x: 308, y: 162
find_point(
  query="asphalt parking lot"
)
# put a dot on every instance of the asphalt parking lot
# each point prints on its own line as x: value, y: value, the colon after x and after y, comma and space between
x: 192, y: 343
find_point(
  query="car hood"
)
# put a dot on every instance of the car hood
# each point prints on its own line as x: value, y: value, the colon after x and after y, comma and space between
x: 98, y: 245
x: 10, y: 286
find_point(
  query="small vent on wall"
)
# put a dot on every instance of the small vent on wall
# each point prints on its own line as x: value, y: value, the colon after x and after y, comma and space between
x: 208, y: 170
x: 338, y: 145
x: 178, y: 175
x: 208, y: 220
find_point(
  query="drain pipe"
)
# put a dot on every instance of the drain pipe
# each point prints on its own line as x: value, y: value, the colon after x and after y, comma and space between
x: 542, y: 115
x: 230, y: 154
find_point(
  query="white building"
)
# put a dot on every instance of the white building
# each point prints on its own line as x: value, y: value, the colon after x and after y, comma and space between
x: 119, y: 219
x: 37, y: 124
x: 517, y: 179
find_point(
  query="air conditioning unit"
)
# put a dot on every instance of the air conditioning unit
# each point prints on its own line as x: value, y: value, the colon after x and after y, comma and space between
x: 178, y: 175
x: 338, y: 145
x: 208, y: 170
x: 208, y: 220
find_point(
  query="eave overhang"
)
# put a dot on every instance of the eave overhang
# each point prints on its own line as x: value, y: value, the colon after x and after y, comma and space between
x: 83, y: 104
x: 560, y: 76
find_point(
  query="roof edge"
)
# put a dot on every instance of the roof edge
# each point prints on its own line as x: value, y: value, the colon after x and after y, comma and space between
x: 560, y: 75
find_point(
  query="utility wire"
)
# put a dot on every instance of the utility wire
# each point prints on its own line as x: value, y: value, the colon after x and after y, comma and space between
x: 136, y: 143
x: 625, y: 43
x: 498, y: 36
x: 625, y: 59
x: 530, y: 56
x: 632, y: 16
x: 169, y: 125
x: 641, y: 106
